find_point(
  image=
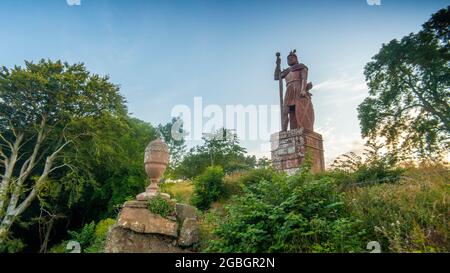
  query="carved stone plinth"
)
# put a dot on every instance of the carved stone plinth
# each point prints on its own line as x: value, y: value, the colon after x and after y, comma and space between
x: 138, y: 230
x: 289, y: 149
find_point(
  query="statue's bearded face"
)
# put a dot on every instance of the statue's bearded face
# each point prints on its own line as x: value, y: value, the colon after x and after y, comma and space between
x: 292, y: 60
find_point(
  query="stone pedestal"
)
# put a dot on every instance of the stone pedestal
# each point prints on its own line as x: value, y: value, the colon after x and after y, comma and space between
x: 289, y: 149
x: 139, y: 231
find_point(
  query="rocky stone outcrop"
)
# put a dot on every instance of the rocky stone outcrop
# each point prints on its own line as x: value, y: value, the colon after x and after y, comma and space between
x: 139, y: 231
x: 122, y: 240
x: 189, y: 233
x: 143, y: 221
x: 184, y: 211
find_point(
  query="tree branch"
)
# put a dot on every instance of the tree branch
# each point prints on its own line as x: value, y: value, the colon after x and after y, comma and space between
x: 10, y: 145
x: 426, y: 103
x: 45, y: 173
x: 6, y: 178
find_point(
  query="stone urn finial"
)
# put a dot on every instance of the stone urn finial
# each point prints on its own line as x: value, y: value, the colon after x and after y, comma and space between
x: 156, y: 159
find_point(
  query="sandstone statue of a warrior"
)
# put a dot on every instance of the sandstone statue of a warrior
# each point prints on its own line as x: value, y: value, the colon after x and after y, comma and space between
x: 296, y: 107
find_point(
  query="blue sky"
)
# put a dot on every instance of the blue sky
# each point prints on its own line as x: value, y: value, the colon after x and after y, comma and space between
x: 165, y: 52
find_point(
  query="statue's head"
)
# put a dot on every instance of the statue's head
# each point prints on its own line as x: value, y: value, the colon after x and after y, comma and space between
x: 292, y: 58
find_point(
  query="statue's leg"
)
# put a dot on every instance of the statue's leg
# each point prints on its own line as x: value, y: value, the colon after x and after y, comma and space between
x: 292, y: 117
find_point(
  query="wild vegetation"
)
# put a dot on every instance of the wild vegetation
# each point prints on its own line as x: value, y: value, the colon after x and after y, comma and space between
x: 71, y: 155
x: 332, y: 211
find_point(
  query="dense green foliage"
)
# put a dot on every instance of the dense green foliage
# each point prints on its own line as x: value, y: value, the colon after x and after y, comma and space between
x: 221, y: 148
x: 321, y: 213
x: 159, y: 205
x: 101, y: 167
x: 91, y: 237
x: 370, y: 167
x: 43, y: 106
x: 287, y: 214
x: 208, y: 187
x: 409, y: 83
x: 112, y: 160
x: 11, y: 245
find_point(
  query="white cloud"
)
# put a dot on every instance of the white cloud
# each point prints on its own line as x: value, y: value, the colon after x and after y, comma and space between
x: 337, y: 143
x: 355, y: 84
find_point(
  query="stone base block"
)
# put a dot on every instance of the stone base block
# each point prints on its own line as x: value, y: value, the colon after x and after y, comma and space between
x: 289, y: 149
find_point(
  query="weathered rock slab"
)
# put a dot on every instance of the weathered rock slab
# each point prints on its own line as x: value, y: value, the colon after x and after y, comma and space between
x: 122, y: 240
x: 184, y: 211
x: 190, y: 232
x: 141, y: 220
x: 136, y: 204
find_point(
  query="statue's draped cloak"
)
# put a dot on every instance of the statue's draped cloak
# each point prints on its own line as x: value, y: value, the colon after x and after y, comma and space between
x: 304, y: 111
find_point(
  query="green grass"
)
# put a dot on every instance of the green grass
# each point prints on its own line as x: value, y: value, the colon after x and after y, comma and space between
x: 181, y: 191
x: 409, y: 216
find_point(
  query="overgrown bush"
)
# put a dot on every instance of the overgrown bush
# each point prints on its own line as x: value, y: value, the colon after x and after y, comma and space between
x: 11, y: 245
x: 85, y: 236
x: 208, y: 187
x: 370, y: 168
x: 91, y: 237
x: 232, y: 184
x: 287, y: 214
x: 409, y: 216
x: 159, y: 205
x: 315, y: 213
x: 255, y: 176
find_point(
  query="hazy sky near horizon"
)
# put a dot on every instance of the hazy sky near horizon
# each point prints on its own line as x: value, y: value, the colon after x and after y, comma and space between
x: 164, y: 53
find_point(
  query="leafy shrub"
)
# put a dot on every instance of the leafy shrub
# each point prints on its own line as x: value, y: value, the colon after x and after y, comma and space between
x: 208, y: 187
x: 314, y: 213
x: 159, y: 205
x: 101, y: 231
x: 221, y: 148
x: 102, y: 227
x: 255, y: 176
x: 85, y: 236
x: 373, y: 167
x: 232, y: 184
x: 59, y: 248
x: 11, y: 245
x: 91, y: 237
x: 286, y: 214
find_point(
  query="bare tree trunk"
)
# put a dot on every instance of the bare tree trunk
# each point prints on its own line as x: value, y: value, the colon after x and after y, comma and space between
x: 5, y: 225
x: 14, y: 209
x: 9, y: 163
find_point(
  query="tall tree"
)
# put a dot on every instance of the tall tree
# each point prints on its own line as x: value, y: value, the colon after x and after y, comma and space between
x: 409, y: 83
x: 220, y: 148
x: 173, y: 134
x: 38, y: 106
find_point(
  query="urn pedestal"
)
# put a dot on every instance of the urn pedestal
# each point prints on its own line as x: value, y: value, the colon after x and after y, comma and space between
x: 156, y: 159
x: 289, y: 148
x: 140, y: 230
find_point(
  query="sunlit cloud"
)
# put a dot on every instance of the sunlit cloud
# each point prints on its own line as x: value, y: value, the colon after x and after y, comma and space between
x: 347, y: 84
x: 337, y: 143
